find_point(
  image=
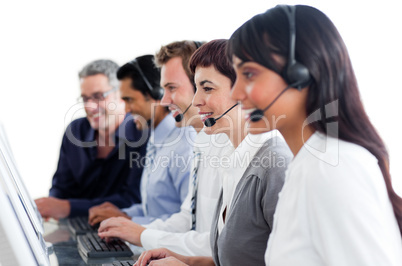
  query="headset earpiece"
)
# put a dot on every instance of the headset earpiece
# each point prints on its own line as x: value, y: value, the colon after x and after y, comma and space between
x: 295, y: 73
x: 157, y: 93
x: 198, y: 44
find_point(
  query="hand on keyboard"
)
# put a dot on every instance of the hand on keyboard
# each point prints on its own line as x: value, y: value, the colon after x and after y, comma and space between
x: 104, y: 211
x: 122, y: 228
x: 161, y: 256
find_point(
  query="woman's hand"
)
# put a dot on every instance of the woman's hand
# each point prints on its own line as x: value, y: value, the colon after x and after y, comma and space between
x: 160, y: 256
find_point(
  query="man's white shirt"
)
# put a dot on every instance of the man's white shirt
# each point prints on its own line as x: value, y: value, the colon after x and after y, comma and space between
x: 175, y: 233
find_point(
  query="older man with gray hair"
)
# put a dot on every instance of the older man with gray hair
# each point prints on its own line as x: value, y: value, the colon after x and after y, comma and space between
x: 94, y: 164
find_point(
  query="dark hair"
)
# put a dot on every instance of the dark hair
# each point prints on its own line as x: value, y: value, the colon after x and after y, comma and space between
x: 321, y: 49
x: 213, y: 54
x: 151, y: 72
x: 182, y: 49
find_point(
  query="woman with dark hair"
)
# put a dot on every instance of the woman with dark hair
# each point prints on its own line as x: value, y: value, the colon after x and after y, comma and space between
x: 244, y: 213
x: 337, y: 206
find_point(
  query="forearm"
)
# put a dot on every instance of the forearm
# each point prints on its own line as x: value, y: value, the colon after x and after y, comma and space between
x: 178, y: 222
x: 191, y: 243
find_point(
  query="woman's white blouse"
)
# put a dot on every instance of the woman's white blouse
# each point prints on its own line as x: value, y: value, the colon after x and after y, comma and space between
x: 334, y: 210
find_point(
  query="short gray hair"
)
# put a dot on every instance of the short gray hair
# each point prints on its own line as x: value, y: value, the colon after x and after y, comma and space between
x: 102, y: 66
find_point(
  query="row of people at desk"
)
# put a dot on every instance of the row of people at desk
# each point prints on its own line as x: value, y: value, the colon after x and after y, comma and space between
x: 333, y: 202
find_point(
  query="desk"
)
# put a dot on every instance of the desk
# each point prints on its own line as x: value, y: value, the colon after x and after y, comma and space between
x: 65, y: 251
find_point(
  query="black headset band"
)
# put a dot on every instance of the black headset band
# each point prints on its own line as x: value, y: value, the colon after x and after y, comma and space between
x: 290, y: 12
x: 294, y: 72
x: 144, y: 78
x: 197, y: 44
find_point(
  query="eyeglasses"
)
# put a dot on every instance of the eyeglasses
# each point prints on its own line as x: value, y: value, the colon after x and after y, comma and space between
x: 96, y: 97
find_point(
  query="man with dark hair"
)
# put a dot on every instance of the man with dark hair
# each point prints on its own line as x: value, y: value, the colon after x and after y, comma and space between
x: 164, y: 183
x: 94, y: 164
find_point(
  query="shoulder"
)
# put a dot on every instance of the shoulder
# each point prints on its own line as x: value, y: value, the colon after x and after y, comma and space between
x: 184, y: 131
x: 179, y: 137
x: 128, y: 131
x: 267, y: 170
x: 271, y: 160
x: 78, y: 127
x: 218, y: 145
x: 79, y: 123
x: 276, y: 146
x: 330, y: 157
x: 342, y: 170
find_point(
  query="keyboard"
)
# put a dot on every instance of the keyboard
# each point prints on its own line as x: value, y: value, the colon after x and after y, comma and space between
x: 80, y: 226
x: 92, y: 246
x: 123, y: 263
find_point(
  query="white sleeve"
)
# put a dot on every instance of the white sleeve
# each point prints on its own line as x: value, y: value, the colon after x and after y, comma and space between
x: 190, y: 243
x: 351, y: 216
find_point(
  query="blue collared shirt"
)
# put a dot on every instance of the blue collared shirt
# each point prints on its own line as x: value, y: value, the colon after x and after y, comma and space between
x: 164, y: 183
x: 86, y: 180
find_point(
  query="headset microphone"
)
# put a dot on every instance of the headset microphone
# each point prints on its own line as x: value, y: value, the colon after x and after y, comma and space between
x: 211, y: 121
x: 258, y: 114
x: 180, y: 117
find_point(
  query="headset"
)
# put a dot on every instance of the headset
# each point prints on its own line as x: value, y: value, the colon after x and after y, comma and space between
x: 295, y: 74
x: 209, y: 122
x: 156, y: 92
x: 197, y: 44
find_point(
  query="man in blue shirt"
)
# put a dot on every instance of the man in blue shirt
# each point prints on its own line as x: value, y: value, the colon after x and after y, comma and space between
x: 94, y: 164
x: 164, y: 183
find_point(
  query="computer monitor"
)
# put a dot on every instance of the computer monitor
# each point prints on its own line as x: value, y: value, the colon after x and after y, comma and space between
x: 33, y: 236
x: 27, y: 200
x: 21, y: 207
x: 14, y: 245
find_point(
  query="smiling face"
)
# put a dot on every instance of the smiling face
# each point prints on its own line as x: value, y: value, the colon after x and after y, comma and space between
x: 179, y: 92
x: 101, y: 114
x: 256, y: 87
x: 213, y: 99
x: 139, y: 105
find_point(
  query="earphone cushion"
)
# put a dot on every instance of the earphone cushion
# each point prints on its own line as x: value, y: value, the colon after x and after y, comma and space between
x: 297, y: 75
x: 157, y: 93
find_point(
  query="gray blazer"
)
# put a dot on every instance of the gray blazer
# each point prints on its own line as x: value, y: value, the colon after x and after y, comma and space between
x: 243, y: 240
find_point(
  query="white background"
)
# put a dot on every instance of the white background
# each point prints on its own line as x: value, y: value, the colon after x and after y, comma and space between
x: 44, y: 44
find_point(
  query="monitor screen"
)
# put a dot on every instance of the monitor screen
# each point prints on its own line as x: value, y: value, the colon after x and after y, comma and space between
x: 27, y: 200
x: 13, y: 189
x: 14, y: 244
